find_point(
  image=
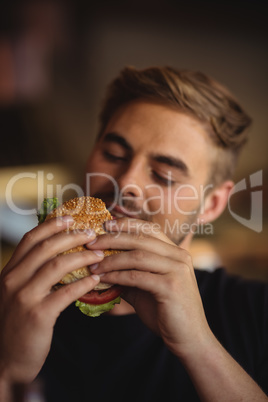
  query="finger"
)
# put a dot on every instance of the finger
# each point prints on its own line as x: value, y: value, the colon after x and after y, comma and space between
x: 131, y: 225
x: 37, y: 234
x: 44, y: 251
x: 61, y: 298
x: 147, y: 281
x: 128, y: 241
x: 54, y: 270
x: 139, y: 260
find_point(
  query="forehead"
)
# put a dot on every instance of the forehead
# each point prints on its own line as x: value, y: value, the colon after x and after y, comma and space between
x: 154, y: 128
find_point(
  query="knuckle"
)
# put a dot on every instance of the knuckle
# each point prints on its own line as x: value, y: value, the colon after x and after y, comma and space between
x: 83, y: 257
x: 44, y: 245
x: 184, y: 268
x: 22, y: 297
x: 134, y: 275
x: 139, y: 235
x: 7, y: 282
x: 28, y: 237
x: 172, y: 284
x: 55, y: 263
x: 68, y: 290
x: 35, y: 315
x: 185, y: 257
x: 138, y: 255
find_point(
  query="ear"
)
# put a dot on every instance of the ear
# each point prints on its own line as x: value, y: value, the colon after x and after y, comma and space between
x: 215, y: 202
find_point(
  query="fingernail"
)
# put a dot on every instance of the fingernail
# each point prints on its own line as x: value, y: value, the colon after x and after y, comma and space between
x: 90, y: 233
x: 110, y: 224
x: 96, y: 277
x: 93, y: 267
x: 91, y: 242
x: 99, y: 253
x: 66, y: 218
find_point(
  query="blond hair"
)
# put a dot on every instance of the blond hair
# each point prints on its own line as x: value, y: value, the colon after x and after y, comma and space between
x: 190, y: 92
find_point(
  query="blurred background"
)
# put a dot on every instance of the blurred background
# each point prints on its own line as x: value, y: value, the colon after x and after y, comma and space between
x: 56, y: 59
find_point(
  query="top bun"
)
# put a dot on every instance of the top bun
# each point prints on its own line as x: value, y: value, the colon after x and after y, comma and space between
x: 88, y: 213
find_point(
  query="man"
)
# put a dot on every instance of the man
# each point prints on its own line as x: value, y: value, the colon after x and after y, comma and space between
x: 169, y: 139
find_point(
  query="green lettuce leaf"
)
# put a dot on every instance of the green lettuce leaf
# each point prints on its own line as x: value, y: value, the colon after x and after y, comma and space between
x: 47, y: 206
x: 96, y: 310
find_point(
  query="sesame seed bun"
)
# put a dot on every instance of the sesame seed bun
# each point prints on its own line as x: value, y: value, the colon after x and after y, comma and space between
x: 88, y: 213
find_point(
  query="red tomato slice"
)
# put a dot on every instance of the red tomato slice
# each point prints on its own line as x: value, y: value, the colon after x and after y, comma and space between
x: 101, y: 297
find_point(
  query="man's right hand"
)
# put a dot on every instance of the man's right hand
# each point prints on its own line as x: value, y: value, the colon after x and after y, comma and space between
x: 28, y: 305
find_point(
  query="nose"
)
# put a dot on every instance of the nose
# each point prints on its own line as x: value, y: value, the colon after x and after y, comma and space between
x: 131, y: 181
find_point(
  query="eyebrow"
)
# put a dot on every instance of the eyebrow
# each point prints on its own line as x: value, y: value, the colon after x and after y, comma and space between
x: 172, y: 162
x: 164, y: 159
x: 114, y: 137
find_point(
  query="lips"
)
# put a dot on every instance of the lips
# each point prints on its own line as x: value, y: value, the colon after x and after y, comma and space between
x: 121, y: 212
x: 128, y: 210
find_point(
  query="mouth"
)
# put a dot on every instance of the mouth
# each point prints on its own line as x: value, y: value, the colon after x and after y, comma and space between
x: 121, y: 212
x: 117, y: 210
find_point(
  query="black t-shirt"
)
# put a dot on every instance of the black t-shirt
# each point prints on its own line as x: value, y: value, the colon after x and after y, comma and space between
x: 117, y: 357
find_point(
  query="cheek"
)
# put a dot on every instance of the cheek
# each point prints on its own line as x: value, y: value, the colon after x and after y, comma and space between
x: 95, y: 163
x: 98, y: 164
x: 186, y: 200
x: 99, y: 177
x: 171, y: 205
x: 154, y: 201
x: 183, y: 200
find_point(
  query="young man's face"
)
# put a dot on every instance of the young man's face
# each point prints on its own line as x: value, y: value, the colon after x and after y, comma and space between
x: 152, y: 163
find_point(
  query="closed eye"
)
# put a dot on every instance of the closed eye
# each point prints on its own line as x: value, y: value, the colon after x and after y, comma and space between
x: 163, y: 180
x: 113, y: 157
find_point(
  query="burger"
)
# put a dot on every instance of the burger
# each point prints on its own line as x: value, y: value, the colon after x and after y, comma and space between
x: 88, y: 213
